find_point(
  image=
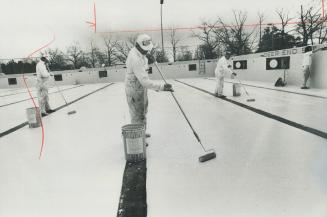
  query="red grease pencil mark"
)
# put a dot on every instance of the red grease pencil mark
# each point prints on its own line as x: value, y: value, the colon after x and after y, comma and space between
x: 30, y: 94
x: 94, y: 22
x: 323, y: 8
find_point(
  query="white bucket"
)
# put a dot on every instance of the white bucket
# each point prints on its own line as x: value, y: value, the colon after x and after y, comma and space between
x: 134, y: 142
x: 236, y: 89
x: 33, y: 117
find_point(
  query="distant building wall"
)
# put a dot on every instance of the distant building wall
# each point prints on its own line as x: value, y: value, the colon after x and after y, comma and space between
x: 319, y: 72
x: 266, y: 67
x: 186, y: 69
x: 259, y: 66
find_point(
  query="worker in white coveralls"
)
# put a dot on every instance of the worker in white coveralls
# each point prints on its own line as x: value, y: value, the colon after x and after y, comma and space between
x: 43, y: 76
x: 306, y: 66
x: 137, y: 80
x: 223, y: 67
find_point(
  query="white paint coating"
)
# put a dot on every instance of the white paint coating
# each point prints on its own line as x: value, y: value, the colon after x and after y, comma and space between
x: 263, y: 167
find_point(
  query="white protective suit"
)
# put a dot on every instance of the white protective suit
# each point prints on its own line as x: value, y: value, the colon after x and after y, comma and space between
x: 136, y: 84
x: 42, y: 75
x: 306, y: 67
x: 220, y: 72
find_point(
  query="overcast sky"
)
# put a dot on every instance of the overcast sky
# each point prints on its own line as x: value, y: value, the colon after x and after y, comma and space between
x: 27, y: 25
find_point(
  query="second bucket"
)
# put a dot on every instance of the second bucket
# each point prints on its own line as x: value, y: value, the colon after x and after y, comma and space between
x: 33, y: 117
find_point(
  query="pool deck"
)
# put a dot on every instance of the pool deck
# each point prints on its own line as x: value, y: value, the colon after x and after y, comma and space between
x: 264, y: 166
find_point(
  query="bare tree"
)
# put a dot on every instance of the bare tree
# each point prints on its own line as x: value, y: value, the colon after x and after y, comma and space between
x: 261, y: 19
x: 322, y: 34
x: 56, y: 59
x: 185, y: 54
x: 174, y: 40
x: 209, y: 40
x: 234, y: 37
x: 311, y: 22
x: 284, y: 18
x: 74, y: 54
x: 111, y: 46
x: 123, y: 48
x: 93, y: 54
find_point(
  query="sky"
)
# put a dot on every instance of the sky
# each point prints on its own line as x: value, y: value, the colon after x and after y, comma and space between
x: 28, y: 25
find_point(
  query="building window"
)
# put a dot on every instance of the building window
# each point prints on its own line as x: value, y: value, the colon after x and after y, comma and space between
x: 58, y: 77
x: 192, y: 67
x: 12, y: 81
x: 103, y: 74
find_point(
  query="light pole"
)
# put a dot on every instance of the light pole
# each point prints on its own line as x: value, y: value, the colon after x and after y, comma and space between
x: 272, y: 35
x: 162, y: 43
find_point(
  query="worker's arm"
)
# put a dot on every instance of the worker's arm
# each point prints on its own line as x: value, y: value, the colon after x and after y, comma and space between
x: 143, y: 77
x: 226, y: 69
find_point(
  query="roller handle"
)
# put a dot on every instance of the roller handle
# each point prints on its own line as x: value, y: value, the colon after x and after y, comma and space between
x: 180, y: 107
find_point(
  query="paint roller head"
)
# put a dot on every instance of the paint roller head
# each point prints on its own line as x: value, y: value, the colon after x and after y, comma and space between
x: 208, y: 156
x: 250, y: 100
x: 71, y: 112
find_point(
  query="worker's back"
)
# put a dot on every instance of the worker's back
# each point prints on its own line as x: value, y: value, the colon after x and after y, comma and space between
x: 222, y: 67
x: 42, y: 73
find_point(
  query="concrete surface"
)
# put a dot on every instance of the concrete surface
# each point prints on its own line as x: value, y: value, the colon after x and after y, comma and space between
x: 263, y: 167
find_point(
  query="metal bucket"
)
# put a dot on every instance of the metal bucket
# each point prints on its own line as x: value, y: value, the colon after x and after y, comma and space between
x: 33, y: 117
x: 134, y: 142
x: 236, y: 89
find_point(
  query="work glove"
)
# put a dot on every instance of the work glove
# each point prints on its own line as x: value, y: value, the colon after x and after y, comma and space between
x: 150, y: 58
x: 168, y: 87
x: 233, y: 75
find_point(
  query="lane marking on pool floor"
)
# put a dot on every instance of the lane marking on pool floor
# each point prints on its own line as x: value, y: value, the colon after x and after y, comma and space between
x: 21, y: 92
x: 269, y: 88
x: 266, y: 114
x: 13, y: 129
x: 12, y: 103
x: 132, y: 200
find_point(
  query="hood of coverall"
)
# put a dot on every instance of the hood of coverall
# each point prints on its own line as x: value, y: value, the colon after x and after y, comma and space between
x: 145, y: 43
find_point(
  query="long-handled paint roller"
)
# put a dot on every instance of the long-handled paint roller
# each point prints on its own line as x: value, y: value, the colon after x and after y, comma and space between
x: 249, y: 99
x: 62, y: 95
x: 210, y: 154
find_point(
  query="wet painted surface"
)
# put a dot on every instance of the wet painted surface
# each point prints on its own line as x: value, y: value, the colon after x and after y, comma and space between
x: 16, y: 114
x: 306, y: 110
x: 263, y: 167
x: 80, y: 173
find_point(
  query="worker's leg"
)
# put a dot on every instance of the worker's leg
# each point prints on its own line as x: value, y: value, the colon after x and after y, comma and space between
x: 220, y: 85
x: 217, y: 86
x: 41, y: 99
x: 46, y: 99
x: 306, y: 73
x: 137, y: 110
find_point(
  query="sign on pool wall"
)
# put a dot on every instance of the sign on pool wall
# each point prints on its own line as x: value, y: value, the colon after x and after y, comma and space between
x: 240, y: 64
x: 278, y: 63
x: 286, y: 52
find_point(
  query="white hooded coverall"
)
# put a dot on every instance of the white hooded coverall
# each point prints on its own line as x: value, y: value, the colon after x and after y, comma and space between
x: 42, y: 75
x: 220, y: 72
x: 136, y: 84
